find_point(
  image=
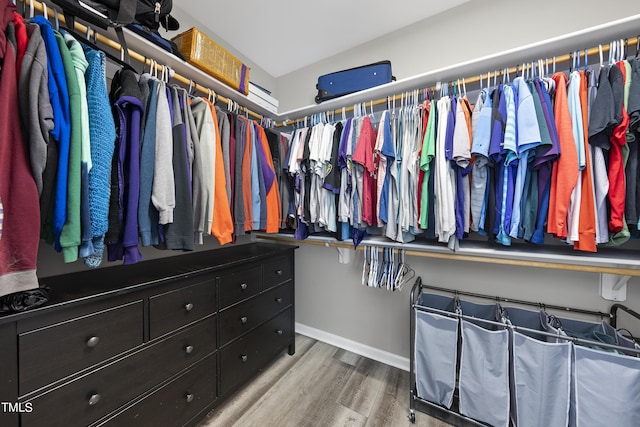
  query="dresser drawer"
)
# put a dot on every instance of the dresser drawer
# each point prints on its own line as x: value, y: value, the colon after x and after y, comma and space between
x: 93, y: 396
x: 171, y: 310
x: 243, y: 317
x: 174, y: 403
x: 244, y: 357
x: 54, y: 352
x: 239, y: 285
x: 276, y: 271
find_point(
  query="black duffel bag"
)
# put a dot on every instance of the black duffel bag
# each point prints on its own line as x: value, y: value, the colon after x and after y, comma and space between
x: 119, y: 13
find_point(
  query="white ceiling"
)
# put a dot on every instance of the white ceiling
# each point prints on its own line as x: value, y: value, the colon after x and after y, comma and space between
x: 309, y: 31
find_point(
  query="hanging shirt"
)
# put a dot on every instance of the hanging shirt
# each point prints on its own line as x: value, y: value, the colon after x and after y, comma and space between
x: 315, y: 143
x: 632, y: 172
x: 497, y: 156
x: 480, y: 150
x: 565, y: 170
x: 544, y: 160
x: 391, y: 230
x: 179, y: 233
x: 426, y: 159
x: 575, y: 111
x: 528, y: 139
x: 462, y: 139
x: 510, y: 153
x: 444, y: 185
x: 617, y: 139
x: 587, y: 226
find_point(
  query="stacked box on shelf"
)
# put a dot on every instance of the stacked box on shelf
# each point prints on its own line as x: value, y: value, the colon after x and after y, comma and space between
x: 262, y: 98
x: 207, y: 55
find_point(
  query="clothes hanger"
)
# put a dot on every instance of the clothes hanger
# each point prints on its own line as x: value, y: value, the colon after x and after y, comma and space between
x: 86, y: 40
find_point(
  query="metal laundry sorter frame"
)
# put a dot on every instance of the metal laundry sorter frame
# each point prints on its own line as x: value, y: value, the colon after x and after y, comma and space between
x: 453, y: 415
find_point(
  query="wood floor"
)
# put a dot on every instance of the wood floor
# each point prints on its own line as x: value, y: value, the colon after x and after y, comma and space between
x: 321, y: 385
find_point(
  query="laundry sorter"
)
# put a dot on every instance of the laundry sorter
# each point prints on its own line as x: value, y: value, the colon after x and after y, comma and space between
x: 502, y: 365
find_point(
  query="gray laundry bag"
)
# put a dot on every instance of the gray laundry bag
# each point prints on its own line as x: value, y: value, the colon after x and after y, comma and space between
x: 436, y: 350
x: 540, y: 374
x: 484, y: 367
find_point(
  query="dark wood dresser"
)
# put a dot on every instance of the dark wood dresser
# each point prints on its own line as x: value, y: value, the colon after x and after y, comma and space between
x: 159, y: 343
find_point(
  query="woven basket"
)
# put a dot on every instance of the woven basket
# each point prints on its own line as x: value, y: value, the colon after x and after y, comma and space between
x: 207, y: 55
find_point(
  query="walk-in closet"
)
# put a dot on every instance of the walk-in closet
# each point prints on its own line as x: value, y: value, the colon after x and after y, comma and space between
x: 334, y: 214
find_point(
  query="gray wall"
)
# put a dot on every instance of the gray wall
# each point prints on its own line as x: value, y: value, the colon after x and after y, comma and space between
x: 329, y: 295
x: 472, y: 30
x: 256, y: 75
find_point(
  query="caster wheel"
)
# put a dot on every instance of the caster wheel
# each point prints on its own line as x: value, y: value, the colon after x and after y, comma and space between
x: 412, y: 418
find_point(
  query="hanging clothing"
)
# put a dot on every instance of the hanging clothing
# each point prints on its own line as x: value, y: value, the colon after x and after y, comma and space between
x: 122, y: 237
x: 480, y: 150
x: 56, y: 213
x: 618, y: 139
x: 102, y: 134
x: 80, y: 65
x: 36, y: 113
x: 444, y: 184
x: 528, y: 139
x: 565, y: 170
x: 587, y: 225
x: 148, y: 216
x: 70, y: 235
x: 427, y: 155
x: 461, y: 154
x: 363, y: 157
x: 18, y: 191
x: 179, y: 233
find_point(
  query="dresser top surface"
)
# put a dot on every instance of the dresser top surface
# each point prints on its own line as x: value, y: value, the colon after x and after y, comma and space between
x: 91, y: 284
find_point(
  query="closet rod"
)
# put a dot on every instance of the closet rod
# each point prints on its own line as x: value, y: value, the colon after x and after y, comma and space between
x: 476, y: 79
x: 82, y: 29
x: 469, y: 258
x: 517, y: 301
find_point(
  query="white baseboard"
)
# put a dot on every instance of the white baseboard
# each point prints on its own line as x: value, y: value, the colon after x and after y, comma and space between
x: 354, y: 347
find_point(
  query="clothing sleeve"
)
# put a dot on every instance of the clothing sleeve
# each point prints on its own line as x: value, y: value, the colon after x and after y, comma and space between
x: 163, y: 194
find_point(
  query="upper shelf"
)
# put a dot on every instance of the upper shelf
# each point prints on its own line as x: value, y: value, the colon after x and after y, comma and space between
x: 558, y: 45
x: 145, y: 47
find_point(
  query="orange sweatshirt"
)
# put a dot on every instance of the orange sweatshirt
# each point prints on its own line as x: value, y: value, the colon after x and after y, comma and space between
x: 587, y: 220
x: 221, y: 222
x: 565, y: 170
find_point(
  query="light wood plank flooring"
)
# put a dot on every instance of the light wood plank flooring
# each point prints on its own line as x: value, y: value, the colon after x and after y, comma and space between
x: 321, y: 385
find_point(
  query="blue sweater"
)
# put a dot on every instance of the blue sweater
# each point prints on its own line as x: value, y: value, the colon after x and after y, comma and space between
x: 59, y: 96
x: 102, y: 132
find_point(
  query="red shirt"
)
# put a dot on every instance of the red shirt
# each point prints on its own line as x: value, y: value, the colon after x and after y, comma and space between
x: 363, y: 154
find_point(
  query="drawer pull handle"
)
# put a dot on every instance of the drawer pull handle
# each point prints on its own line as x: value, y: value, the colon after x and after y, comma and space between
x: 279, y: 300
x: 243, y: 319
x: 92, y: 342
x: 243, y: 286
x: 188, y: 349
x: 279, y: 332
x: 188, y: 307
x: 279, y: 272
x: 94, y: 399
x: 244, y: 357
x: 189, y: 397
